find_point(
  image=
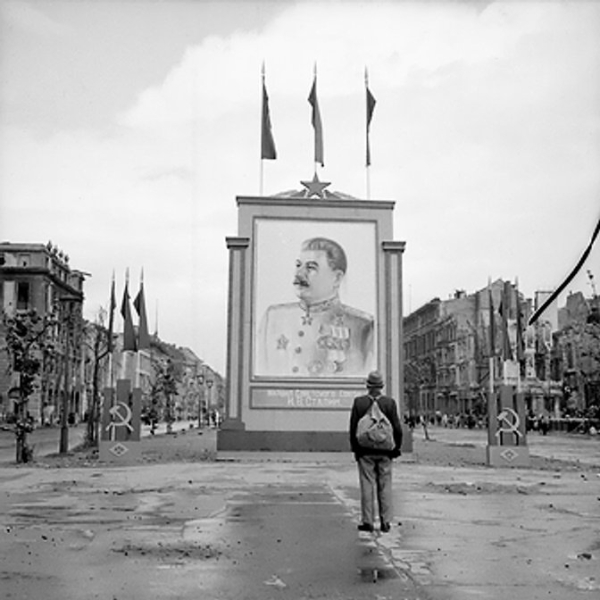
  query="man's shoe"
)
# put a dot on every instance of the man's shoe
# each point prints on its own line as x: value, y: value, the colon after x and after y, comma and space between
x: 385, y: 527
x: 365, y: 527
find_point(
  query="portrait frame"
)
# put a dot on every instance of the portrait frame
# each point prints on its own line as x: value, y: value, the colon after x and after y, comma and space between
x: 277, y: 241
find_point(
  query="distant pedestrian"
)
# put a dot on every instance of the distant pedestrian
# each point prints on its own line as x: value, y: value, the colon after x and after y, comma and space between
x: 423, y: 421
x: 375, y: 465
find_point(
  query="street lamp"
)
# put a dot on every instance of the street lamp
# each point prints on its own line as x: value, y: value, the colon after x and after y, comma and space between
x: 200, y: 378
x: 209, y: 384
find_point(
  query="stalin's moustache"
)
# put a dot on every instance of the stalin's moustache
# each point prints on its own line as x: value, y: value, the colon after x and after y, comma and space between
x: 300, y: 281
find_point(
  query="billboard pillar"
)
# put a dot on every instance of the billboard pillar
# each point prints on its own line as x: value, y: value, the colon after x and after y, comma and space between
x: 394, y: 367
x: 121, y: 424
x: 236, y: 325
x: 507, y: 436
x: 314, y: 304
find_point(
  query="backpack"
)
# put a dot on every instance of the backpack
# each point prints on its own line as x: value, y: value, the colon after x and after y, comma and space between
x: 374, y: 429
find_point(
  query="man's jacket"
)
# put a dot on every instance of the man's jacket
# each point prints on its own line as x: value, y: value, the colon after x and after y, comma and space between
x: 329, y: 339
x: 388, y: 407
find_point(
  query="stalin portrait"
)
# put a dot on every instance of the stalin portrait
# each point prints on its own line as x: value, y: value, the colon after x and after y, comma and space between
x: 318, y: 335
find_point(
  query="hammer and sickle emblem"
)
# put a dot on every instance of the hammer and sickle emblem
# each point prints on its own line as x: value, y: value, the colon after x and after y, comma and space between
x: 122, y: 412
x: 510, y: 422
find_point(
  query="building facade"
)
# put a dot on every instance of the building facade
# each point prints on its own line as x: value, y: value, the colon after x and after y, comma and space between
x: 452, y: 345
x: 37, y: 277
x: 75, y: 366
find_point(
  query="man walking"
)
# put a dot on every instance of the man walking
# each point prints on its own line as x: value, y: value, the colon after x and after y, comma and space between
x: 375, y: 465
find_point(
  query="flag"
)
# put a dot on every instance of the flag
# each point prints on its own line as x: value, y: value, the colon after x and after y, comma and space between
x: 267, y: 143
x: 370, y: 108
x: 520, y: 334
x: 111, y: 316
x: 504, y: 309
x: 140, y: 307
x: 316, y: 122
x: 128, y: 330
x: 539, y: 311
x: 492, y: 322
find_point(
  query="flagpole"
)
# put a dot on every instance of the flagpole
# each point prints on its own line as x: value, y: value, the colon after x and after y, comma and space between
x: 110, y: 368
x: 492, y: 376
x: 519, y: 334
x: 315, y: 84
x: 316, y: 123
x: 368, y: 178
x: 262, y: 162
x: 111, y: 311
x: 138, y: 353
x: 504, y: 314
x: 267, y: 143
x: 137, y: 369
x: 370, y: 108
x: 124, y: 352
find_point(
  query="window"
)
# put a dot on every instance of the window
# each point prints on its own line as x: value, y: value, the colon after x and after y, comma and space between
x: 24, y: 260
x: 22, y: 295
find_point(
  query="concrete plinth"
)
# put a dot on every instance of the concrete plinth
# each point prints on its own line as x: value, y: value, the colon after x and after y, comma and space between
x: 292, y: 441
x: 283, y: 441
x: 121, y: 452
x: 508, y: 456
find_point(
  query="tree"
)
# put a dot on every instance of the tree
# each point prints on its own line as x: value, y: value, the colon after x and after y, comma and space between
x: 163, y: 386
x: 98, y: 343
x: 168, y: 386
x: 26, y: 343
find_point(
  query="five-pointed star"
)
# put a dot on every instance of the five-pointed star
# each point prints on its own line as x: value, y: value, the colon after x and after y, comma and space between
x: 315, y: 187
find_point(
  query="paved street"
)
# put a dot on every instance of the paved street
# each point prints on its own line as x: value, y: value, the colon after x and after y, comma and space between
x: 44, y: 440
x: 261, y: 526
x: 573, y: 447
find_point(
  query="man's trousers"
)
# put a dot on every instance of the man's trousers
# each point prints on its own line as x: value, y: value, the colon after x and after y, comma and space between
x: 375, y: 475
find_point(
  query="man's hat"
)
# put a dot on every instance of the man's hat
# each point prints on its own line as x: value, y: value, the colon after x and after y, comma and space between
x: 375, y: 379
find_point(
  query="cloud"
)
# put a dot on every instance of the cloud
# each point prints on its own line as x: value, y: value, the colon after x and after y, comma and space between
x: 29, y: 19
x: 486, y: 125
x: 220, y: 75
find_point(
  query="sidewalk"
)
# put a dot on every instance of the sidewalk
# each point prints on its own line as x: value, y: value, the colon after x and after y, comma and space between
x: 556, y: 446
x: 269, y: 526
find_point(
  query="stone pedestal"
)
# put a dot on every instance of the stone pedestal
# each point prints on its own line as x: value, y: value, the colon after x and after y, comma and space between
x: 121, y: 424
x: 306, y: 410
x: 507, y: 435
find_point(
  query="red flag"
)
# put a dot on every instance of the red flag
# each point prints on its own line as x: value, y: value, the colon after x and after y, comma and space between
x: 520, y: 333
x: 492, y: 317
x: 504, y: 309
x: 267, y: 143
x: 140, y: 307
x: 370, y: 108
x: 128, y: 330
x: 111, y: 316
x: 316, y: 123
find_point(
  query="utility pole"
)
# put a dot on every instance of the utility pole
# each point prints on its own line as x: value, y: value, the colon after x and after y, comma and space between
x: 64, y: 423
x: 200, y: 384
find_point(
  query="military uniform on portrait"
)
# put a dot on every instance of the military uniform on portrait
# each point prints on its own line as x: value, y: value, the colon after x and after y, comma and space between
x: 327, y: 339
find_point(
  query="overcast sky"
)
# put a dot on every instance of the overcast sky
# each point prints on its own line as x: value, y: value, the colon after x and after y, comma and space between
x: 128, y: 127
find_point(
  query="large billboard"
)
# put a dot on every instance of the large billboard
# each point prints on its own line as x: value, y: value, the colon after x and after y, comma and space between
x: 314, y: 299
